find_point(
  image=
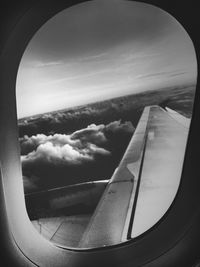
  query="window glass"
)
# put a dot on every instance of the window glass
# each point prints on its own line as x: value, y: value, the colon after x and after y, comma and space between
x: 105, y: 92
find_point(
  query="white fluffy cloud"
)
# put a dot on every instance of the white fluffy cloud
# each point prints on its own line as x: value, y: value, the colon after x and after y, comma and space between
x: 81, y: 146
x: 117, y: 126
x: 66, y: 153
x: 60, y: 159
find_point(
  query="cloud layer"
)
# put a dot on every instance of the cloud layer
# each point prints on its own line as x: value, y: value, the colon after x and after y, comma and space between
x: 73, y: 157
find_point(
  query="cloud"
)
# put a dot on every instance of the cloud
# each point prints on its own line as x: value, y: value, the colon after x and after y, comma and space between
x: 78, y: 140
x: 70, y: 120
x: 93, y: 133
x: 29, y: 144
x: 97, y: 133
x: 82, y: 145
x: 63, y: 154
x: 88, y: 153
x: 162, y: 73
x: 117, y: 126
x: 39, y: 64
x: 65, y: 121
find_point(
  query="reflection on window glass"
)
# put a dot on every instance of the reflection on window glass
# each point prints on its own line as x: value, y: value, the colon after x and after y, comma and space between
x: 105, y: 91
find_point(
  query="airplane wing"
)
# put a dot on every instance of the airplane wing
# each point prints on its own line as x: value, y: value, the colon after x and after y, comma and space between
x: 145, y: 183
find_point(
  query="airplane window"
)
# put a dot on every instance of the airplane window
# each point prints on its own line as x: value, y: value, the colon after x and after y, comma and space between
x: 105, y: 92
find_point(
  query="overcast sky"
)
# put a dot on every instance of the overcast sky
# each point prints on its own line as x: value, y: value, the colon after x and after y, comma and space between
x: 102, y: 49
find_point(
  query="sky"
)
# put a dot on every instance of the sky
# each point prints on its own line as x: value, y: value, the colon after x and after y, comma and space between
x: 99, y: 50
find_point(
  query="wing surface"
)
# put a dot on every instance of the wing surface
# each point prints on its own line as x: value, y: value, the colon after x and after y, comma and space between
x: 145, y: 183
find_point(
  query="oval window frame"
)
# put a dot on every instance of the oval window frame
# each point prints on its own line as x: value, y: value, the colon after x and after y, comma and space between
x: 11, y: 174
